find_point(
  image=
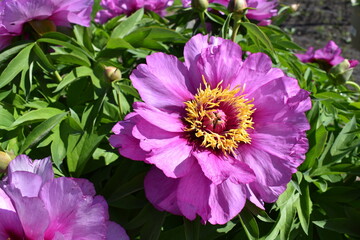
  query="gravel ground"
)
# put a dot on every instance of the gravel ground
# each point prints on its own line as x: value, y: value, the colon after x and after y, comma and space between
x: 317, y: 21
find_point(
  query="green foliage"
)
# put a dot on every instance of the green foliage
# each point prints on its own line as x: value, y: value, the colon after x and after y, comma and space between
x: 56, y: 101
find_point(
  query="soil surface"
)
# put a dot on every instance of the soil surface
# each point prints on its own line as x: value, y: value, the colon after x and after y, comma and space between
x: 315, y: 22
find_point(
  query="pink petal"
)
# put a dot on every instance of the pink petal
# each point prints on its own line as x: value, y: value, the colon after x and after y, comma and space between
x: 167, y: 121
x: 221, y: 63
x: 193, y: 194
x: 161, y: 191
x: 163, y: 82
x: 71, y: 213
x: 28, y: 183
x: 192, y: 51
x: 220, y: 168
x: 226, y: 201
x: 115, y: 232
x: 257, y: 71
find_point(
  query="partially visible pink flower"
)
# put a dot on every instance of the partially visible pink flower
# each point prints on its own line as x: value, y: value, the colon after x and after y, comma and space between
x: 113, y: 8
x: 264, y: 9
x: 326, y: 57
x: 218, y: 130
x: 15, y: 13
x: 35, y: 205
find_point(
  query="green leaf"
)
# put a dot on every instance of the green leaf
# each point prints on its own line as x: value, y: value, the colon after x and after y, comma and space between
x: 36, y: 116
x: 11, y: 52
x: 43, y: 58
x: 257, y: 36
x: 41, y: 131
x: 58, y: 150
x: 18, y: 64
x: 342, y: 225
x: 343, y: 142
x: 192, y: 229
x: 129, y: 25
x: 71, y: 59
x: 75, y: 74
x: 304, y: 206
x: 114, y: 43
x: 249, y: 224
x: 6, y: 119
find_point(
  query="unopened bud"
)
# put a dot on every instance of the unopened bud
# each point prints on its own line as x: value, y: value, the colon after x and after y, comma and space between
x: 4, y: 161
x: 199, y: 5
x: 112, y: 73
x: 341, y: 73
x: 237, y: 6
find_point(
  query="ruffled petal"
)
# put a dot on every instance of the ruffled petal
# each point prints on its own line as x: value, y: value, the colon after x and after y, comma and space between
x: 193, y: 194
x: 163, y: 82
x: 220, y: 168
x: 192, y: 51
x: 71, y: 213
x: 167, y: 121
x: 226, y: 200
x: 123, y: 139
x: 28, y: 183
x: 256, y: 71
x: 115, y: 232
x: 221, y: 63
x: 161, y: 191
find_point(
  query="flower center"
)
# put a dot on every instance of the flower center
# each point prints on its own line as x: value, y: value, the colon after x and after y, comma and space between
x: 219, y: 118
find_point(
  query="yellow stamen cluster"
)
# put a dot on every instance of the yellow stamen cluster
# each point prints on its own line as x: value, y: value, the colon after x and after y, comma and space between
x: 207, y: 101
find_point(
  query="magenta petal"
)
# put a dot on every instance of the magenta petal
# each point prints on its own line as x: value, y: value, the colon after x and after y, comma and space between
x: 193, y: 194
x: 220, y: 168
x: 192, y: 52
x: 167, y: 121
x: 33, y: 222
x: 127, y: 144
x: 226, y: 201
x: 221, y: 63
x: 42, y: 167
x: 115, y: 232
x: 162, y: 82
x: 161, y: 191
x: 353, y: 63
x: 71, y: 213
x: 173, y: 159
x: 28, y: 183
x: 256, y: 71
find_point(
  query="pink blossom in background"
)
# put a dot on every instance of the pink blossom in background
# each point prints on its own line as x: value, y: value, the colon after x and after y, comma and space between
x: 113, y: 8
x: 35, y: 205
x: 218, y: 130
x: 15, y: 13
x: 264, y: 9
x: 327, y: 57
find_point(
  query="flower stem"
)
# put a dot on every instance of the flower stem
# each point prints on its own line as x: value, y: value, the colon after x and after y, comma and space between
x: 57, y: 75
x: 237, y: 23
x: 353, y: 84
x: 202, y: 19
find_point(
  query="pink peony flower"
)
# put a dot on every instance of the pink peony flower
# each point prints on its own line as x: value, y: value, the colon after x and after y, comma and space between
x: 35, y: 205
x: 326, y: 57
x: 113, y: 8
x: 15, y: 13
x: 218, y: 130
x: 264, y: 9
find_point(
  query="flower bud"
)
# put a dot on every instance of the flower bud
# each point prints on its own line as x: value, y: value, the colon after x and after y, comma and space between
x: 112, y: 73
x: 237, y: 6
x: 341, y: 73
x: 199, y: 5
x: 4, y: 161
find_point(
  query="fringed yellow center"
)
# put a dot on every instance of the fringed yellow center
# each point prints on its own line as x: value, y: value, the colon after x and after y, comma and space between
x: 219, y: 118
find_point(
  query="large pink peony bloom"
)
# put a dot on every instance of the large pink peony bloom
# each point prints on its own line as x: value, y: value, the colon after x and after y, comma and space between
x: 326, y: 57
x: 35, y: 205
x: 113, y: 8
x: 15, y: 13
x: 264, y: 9
x: 217, y: 129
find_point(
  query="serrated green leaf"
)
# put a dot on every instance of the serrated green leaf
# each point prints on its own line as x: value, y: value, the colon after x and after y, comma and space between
x: 18, y: 64
x: 41, y: 131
